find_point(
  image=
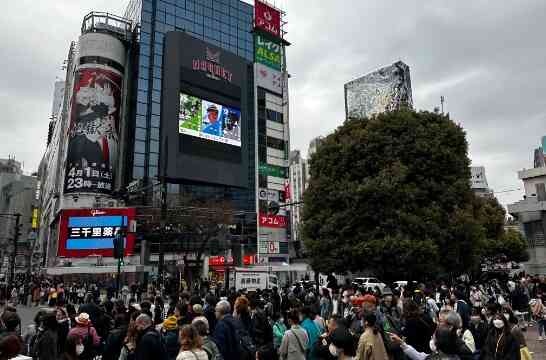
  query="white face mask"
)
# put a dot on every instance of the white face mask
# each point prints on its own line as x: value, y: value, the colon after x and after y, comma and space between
x: 432, y: 345
x: 79, y: 349
x: 498, y: 323
x: 333, y: 350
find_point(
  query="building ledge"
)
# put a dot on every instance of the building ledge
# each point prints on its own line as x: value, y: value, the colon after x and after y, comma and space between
x: 531, y: 173
x: 527, y: 205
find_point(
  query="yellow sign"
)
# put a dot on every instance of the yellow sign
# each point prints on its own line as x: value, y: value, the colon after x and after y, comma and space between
x: 35, y: 218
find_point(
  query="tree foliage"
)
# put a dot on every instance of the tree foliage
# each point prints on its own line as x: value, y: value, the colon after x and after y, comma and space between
x: 392, y: 194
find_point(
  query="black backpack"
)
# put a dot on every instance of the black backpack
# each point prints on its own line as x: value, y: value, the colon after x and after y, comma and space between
x: 34, y: 345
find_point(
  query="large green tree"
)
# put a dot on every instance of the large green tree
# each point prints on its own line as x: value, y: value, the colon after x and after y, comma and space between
x: 392, y: 194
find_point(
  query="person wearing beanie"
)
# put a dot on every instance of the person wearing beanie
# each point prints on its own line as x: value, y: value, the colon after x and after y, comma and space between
x: 169, y: 332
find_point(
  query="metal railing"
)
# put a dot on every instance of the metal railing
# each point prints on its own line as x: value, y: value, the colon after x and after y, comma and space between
x: 105, y: 22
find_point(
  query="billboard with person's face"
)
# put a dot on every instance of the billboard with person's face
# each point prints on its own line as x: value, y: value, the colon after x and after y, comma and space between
x: 209, y: 120
x: 93, y: 135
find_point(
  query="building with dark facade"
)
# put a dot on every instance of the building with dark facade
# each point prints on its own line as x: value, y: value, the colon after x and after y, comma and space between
x: 176, y: 108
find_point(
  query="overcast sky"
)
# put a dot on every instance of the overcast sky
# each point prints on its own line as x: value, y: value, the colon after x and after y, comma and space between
x: 485, y: 57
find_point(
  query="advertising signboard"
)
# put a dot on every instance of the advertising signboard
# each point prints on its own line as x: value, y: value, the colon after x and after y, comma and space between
x: 85, y: 232
x: 273, y: 170
x: 268, y: 78
x: 207, y: 120
x: 267, y: 19
x: 272, y: 221
x: 268, y: 195
x: 93, y: 134
x: 267, y: 52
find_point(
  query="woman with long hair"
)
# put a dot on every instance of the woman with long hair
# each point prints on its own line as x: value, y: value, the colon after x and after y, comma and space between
x: 191, y: 345
x: 500, y: 343
x: 417, y: 327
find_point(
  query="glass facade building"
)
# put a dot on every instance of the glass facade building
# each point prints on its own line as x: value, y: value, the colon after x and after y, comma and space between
x: 224, y: 23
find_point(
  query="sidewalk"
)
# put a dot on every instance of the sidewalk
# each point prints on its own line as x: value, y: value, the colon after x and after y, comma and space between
x: 538, y: 348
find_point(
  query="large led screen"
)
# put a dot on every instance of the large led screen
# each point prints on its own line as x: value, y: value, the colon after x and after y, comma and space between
x: 207, y: 120
x: 86, y: 232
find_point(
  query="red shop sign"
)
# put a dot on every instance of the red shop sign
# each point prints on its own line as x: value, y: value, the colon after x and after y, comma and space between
x: 272, y: 221
x: 267, y: 18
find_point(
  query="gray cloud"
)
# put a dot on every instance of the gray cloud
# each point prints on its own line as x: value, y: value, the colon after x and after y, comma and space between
x: 485, y: 57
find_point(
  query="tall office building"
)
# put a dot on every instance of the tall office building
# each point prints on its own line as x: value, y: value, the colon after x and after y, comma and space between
x: 478, y: 182
x: 299, y: 176
x: 194, y: 100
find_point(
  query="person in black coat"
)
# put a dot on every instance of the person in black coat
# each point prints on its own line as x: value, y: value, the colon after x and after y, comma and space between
x: 148, y: 345
x: 114, y: 342
x: 263, y: 332
x: 417, y: 327
x: 500, y: 343
x: 225, y: 334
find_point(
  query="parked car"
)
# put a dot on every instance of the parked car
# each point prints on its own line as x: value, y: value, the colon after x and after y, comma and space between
x: 368, y: 283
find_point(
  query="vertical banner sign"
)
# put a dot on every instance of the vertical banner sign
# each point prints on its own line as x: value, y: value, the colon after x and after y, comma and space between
x: 268, y: 53
x: 267, y: 19
x: 93, y: 135
x: 268, y: 78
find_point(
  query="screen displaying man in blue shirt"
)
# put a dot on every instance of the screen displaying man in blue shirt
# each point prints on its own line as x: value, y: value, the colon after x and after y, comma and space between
x: 212, y: 123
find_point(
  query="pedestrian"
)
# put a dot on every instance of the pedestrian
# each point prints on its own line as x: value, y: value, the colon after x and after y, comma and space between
x: 191, y: 345
x: 44, y: 346
x: 209, y: 346
x: 148, y: 344
x: 478, y: 328
x: 342, y: 345
x: 370, y: 344
x: 539, y: 313
x: 279, y: 328
x: 90, y: 308
x: 225, y: 335
x: 500, y: 343
x: 326, y: 306
x: 418, y: 327
x: 170, y: 337
x: 312, y: 330
x: 517, y: 333
x: 295, y: 343
x: 88, y: 335
x: 114, y: 341
x: 443, y: 346
x: 73, y: 348
x: 10, y: 347
x: 263, y: 331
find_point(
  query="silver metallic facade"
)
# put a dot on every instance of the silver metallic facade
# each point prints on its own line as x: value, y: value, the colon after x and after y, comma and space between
x: 385, y: 89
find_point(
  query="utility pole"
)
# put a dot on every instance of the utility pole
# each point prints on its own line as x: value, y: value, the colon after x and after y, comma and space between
x: 14, y: 254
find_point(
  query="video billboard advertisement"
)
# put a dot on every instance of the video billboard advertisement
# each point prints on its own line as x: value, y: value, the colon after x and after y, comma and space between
x: 268, y: 53
x: 267, y: 19
x: 208, y: 120
x: 93, y: 134
x: 86, y: 232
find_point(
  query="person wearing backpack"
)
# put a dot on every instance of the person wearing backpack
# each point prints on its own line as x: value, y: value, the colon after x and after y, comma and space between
x: 148, y: 343
x: 87, y: 333
x: 295, y: 342
x: 225, y: 335
x: 209, y: 346
x: 169, y: 336
x: 278, y: 330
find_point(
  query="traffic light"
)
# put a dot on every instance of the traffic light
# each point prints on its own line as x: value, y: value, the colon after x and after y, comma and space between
x: 273, y: 208
x: 119, y: 247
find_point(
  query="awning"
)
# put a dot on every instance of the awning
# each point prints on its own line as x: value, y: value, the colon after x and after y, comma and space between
x: 66, y: 270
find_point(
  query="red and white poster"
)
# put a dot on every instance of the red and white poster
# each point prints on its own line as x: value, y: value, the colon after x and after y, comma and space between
x: 272, y: 221
x: 267, y: 18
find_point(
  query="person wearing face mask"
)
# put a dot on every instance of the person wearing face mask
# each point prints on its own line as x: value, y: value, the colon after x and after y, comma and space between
x: 73, y: 348
x: 517, y: 333
x: 370, y: 344
x: 443, y: 346
x: 478, y: 327
x: 500, y: 343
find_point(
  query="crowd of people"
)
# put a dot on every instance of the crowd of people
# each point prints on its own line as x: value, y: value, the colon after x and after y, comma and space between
x: 419, y: 321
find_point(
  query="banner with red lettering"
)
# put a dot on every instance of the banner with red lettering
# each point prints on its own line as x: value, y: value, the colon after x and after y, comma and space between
x: 273, y: 221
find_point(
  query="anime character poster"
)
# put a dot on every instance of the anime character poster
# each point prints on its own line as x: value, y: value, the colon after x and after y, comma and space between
x: 93, y: 134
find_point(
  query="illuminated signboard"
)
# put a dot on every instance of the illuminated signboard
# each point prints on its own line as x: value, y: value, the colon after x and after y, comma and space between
x: 86, y: 232
x: 268, y: 53
x: 272, y: 221
x: 208, y: 120
x: 267, y: 19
